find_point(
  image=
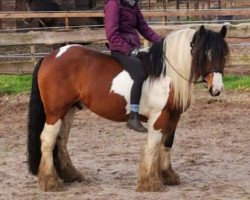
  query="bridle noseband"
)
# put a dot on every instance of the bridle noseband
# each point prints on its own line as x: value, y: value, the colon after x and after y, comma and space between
x: 212, y: 70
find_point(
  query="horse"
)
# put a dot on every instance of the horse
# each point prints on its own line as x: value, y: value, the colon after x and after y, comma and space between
x: 74, y: 77
x: 43, y: 5
x: 49, y: 6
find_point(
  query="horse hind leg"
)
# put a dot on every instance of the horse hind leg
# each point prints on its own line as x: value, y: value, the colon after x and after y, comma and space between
x: 64, y: 165
x: 48, y: 179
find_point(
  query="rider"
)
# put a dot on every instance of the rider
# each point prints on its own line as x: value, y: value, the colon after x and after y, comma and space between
x: 123, y: 21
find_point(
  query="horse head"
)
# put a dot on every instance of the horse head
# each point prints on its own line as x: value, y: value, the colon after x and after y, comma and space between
x: 209, y: 51
x: 42, y: 5
x: 186, y: 55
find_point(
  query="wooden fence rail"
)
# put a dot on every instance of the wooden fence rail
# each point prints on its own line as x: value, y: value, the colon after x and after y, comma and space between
x: 88, y: 35
x: 146, y: 13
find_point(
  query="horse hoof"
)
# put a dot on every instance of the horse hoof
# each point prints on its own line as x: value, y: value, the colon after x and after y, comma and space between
x: 70, y: 174
x: 79, y: 178
x: 170, y: 178
x: 149, y: 185
x: 50, y: 183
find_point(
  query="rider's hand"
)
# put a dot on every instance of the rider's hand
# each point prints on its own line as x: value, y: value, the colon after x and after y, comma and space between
x: 135, y: 52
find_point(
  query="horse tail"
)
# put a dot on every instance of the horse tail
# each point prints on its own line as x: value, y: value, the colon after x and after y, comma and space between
x: 36, y: 121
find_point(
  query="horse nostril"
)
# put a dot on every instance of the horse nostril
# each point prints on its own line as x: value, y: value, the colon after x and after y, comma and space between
x: 214, y: 92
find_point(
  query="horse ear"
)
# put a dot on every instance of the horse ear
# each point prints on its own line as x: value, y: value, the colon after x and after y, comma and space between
x: 202, y: 30
x: 223, y: 31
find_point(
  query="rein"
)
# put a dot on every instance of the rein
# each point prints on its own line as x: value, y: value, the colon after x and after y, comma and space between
x: 195, y: 82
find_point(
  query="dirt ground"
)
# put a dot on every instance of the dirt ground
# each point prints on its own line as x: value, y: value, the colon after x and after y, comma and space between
x: 211, y: 153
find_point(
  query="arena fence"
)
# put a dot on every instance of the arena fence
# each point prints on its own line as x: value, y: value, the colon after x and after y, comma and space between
x: 9, y: 64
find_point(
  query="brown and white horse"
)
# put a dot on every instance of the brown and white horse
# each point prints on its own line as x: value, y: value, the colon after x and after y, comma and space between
x: 73, y: 76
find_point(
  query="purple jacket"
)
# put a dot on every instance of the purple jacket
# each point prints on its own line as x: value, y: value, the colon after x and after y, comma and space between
x: 122, y: 24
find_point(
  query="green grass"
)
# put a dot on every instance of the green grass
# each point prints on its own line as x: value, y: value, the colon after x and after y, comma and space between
x: 236, y: 82
x: 17, y: 84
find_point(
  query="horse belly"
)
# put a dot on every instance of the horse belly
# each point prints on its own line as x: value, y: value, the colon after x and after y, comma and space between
x: 111, y: 106
x: 109, y: 98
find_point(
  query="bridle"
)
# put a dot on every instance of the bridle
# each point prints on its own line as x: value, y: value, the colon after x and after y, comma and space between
x: 203, y: 73
x: 212, y: 70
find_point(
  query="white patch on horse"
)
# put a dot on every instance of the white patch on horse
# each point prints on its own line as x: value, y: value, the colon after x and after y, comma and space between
x: 154, y: 95
x: 217, y: 82
x: 121, y: 85
x: 63, y: 49
x: 50, y: 132
x: 48, y: 140
x: 209, y: 55
x: 154, y: 139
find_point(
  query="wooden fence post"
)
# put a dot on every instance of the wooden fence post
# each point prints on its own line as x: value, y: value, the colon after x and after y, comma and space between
x: 178, y: 7
x: 32, y: 51
x: 197, y: 5
x: 1, y: 10
x: 188, y: 4
x: 165, y: 19
x: 208, y: 4
x: 66, y: 23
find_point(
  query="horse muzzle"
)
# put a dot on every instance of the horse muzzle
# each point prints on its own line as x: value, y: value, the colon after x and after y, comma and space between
x: 215, y: 84
x: 214, y: 92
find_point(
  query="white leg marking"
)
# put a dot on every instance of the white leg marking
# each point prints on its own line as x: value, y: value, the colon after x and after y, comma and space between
x: 152, y: 149
x: 63, y: 49
x: 153, y: 142
x: 48, y: 140
x: 217, y: 83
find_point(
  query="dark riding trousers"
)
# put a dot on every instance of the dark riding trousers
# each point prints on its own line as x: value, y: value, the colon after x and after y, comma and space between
x: 134, y: 67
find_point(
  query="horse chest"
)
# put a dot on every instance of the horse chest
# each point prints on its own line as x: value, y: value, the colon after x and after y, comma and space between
x: 154, y: 94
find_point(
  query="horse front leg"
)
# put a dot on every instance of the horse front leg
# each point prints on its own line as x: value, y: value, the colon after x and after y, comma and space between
x: 48, y: 179
x: 169, y: 176
x: 65, y: 168
x: 149, y: 171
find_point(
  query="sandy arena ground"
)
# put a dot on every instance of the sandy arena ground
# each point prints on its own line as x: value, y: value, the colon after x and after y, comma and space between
x: 211, y: 153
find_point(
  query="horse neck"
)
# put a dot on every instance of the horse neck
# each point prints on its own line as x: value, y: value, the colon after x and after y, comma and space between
x: 178, y: 61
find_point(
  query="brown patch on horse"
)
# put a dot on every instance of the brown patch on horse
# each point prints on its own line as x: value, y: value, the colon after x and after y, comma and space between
x: 160, y: 123
x: 209, y: 79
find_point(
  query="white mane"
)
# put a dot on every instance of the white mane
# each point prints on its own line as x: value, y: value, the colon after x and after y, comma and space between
x: 178, y: 64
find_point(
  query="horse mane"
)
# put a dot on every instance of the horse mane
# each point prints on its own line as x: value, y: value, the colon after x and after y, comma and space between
x: 165, y: 58
x: 153, y: 60
x: 201, y: 43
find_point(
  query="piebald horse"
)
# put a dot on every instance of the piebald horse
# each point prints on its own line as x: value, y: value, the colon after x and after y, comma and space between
x: 73, y: 77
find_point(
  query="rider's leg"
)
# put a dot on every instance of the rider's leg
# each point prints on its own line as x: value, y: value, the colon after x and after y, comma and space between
x: 134, y: 67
